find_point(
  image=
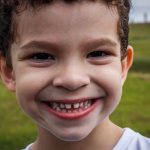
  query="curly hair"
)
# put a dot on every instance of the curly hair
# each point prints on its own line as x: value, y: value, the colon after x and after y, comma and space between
x: 10, y: 7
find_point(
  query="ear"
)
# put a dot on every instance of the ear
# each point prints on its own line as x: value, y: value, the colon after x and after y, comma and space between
x: 127, y: 63
x: 7, y: 75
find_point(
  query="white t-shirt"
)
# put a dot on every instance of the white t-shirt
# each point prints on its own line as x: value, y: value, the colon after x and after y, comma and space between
x: 130, y: 140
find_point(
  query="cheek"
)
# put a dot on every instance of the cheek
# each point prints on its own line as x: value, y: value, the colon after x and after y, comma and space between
x: 109, y: 78
x: 114, y: 92
x: 111, y: 82
x: 31, y: 80
x: 28, y: 85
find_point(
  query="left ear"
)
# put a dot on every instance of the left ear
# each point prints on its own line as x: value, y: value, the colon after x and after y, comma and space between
x: 127, y: 63
x: 7, y: 75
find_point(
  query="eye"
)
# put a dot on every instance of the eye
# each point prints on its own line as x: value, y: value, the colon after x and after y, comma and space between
x: 96, y: 54
x: 41, y: 57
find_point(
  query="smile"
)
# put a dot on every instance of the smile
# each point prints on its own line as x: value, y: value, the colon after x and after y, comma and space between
x: 71, y: 109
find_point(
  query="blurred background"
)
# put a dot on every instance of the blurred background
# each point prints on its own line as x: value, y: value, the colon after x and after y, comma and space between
x: 16, y: 130
x: 140, y: 12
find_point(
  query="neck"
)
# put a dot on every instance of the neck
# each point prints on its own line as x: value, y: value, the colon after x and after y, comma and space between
x: 104, y: 136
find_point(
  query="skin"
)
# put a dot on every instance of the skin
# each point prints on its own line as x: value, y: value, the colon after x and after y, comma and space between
x: 69, y: 35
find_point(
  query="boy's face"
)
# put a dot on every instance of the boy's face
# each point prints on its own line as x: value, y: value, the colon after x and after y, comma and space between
x: 67, y: 56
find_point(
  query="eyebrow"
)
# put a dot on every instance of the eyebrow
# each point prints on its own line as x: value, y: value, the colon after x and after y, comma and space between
x: 39, y: 44
x: 100, y: 42
x: 85, y: 44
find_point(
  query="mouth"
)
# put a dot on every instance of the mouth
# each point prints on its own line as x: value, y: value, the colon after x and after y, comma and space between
x: 71, y: 109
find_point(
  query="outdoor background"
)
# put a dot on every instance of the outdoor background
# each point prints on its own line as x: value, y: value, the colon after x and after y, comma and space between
x: 16, y: 129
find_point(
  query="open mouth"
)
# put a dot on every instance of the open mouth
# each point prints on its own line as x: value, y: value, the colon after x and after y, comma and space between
x: 71, y: 110
x: 70, y: 107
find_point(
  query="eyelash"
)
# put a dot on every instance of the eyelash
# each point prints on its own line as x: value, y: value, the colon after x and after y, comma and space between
x: 45, y: 57
x: 41, y: 56
x: 97, y: 54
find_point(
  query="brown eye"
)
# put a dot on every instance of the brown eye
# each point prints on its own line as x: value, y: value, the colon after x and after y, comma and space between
x: 96, y: 54
x: 41, y: 57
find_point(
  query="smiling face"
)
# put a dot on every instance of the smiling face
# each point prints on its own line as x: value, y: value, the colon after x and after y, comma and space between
x: 67, y: 68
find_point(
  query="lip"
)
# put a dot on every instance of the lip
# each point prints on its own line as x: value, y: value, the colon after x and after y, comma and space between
x: 73, y: 116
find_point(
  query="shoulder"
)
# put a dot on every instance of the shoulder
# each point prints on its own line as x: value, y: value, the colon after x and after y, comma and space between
x: 132, y: 140
x: 28, y: 147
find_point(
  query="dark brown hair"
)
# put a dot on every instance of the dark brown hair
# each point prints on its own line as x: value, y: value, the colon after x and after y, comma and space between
x: 10, y: 7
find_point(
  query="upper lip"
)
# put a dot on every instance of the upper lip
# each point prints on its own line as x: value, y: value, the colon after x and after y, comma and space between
x: 72, y: 101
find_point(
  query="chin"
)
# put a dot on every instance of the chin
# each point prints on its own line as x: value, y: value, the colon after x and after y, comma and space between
x: 71, y: 138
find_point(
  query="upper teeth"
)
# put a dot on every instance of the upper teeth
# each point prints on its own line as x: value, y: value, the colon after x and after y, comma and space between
x: 76, y: 105
x: 68, y: 106
x: 61, y: 106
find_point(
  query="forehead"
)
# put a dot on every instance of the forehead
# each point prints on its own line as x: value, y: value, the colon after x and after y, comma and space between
x: 60, y: 20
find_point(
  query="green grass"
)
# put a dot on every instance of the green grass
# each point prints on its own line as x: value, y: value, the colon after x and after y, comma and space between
x: 141, y: 64
x: 140, y: 39
x: 133, y: 110
x: 17, y: 130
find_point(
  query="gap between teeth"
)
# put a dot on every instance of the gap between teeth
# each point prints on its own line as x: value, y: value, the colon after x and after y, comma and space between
x: 75, y: 107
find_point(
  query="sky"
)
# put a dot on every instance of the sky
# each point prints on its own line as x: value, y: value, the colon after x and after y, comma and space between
x: 141, y: 2
x: 140, y: 11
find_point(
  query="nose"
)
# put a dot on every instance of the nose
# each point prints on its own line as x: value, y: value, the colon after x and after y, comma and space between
x: 71, y: 78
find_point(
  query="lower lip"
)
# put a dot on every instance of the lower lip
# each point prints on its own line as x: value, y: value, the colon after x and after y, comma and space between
x: 72, y: 116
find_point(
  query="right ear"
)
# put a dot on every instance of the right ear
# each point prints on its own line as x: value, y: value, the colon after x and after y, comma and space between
x: 7, y: 75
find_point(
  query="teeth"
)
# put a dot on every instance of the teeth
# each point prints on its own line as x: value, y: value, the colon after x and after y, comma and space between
x: 81, y: 104
x: 62, y: 106
x: 54, y: 105
x: 58, y: 109
x: 76, y: 105
x: 86, y: 107
x: 86, y: 103
x: 68, y: 106
x: 89, y: 104
x: 71, y: 108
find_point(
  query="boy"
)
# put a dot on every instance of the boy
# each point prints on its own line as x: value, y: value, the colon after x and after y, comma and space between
x: 67, y: 62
